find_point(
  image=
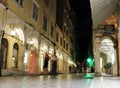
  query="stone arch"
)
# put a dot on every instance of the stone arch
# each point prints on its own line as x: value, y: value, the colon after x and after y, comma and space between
x: 109, y: 37
x: 108, y: 52
x: 15, y: 27
x: 15, y: 30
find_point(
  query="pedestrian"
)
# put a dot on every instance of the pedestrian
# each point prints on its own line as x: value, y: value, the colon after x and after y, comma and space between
x: 1, y: 62
x: 54, y: 66
x: 45, y: 66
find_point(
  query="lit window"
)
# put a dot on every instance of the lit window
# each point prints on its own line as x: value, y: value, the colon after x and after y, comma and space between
x: 35, y: 12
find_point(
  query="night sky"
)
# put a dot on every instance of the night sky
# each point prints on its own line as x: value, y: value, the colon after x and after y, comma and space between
x: 83, y: 30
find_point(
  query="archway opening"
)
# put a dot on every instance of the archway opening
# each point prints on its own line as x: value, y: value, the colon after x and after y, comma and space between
x: 15, y: 31
x: 15, y: 56
x: 4, y: 47
x: 107, y: 52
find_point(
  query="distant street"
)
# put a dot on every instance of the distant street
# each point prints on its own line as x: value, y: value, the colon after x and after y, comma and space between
x: 61, y: 81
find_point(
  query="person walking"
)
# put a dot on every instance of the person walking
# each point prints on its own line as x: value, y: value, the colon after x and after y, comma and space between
x: 54, y: 66
x: 1, y: 62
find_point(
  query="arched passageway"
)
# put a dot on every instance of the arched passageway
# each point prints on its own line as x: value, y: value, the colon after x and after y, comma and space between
x: 108, y: 55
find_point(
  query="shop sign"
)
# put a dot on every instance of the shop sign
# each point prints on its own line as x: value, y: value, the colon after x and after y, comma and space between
x: 106, y: 29
x: 109, y: 29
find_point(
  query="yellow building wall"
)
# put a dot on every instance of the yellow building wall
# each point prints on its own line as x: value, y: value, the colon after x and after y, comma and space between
x: 25, y: 12
x: 11, y: 42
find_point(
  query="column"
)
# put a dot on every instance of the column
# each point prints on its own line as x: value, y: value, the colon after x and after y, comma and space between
x: 9, y: 55
x: 97, y: 58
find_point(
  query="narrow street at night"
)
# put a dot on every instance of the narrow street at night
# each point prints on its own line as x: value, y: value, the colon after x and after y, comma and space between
x: 61, y: 81
x: 76, y: 41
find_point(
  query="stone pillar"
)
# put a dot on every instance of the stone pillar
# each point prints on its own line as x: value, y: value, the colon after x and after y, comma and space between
x: 97, y: 57
x: 118, y: 55
x: 9, y: 55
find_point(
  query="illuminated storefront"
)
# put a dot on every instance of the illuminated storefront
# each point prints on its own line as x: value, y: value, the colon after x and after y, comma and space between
x: 31, y: 53
x: 13, y: 46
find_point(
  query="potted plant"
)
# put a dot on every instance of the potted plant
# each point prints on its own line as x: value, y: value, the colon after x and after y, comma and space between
x: 107, y: 67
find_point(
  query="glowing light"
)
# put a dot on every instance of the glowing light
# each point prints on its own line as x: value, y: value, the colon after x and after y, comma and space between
x: 20, y: 33
x: 13, y: 32
x: 31, y: 41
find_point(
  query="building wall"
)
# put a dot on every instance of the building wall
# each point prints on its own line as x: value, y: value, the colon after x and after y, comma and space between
x: 25, y: 12
x: 32, y: 38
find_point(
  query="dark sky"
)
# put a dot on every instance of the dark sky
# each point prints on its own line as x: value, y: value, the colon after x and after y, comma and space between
x: 84, y: 25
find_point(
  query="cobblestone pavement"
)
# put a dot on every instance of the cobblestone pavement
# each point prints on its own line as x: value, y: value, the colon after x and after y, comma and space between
x: 61, y: 81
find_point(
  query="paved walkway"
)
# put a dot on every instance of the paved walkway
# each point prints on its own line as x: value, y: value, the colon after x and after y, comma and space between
x: 105, y: 82
x: 61, y: 81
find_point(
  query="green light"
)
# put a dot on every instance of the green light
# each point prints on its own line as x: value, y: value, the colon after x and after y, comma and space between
x: 90, y: 62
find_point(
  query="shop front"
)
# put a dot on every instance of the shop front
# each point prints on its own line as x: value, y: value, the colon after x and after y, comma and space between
x: 30, y: 61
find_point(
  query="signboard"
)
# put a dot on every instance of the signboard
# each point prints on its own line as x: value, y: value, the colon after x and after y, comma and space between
x: 109, y: 29
x: 106, y: 29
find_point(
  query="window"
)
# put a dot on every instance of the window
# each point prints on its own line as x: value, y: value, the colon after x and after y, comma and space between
x: 66, y: 46
x: 35, y: 12
x: 45, y: 23
x: 46, y: 2
x: 56, y: 37
x: 19, y: 2
x: 61, y: 39
x: 52, y: 31
x: 64, y: 43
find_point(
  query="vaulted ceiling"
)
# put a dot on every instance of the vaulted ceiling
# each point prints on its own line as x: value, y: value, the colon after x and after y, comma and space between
x: 102, y: 9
